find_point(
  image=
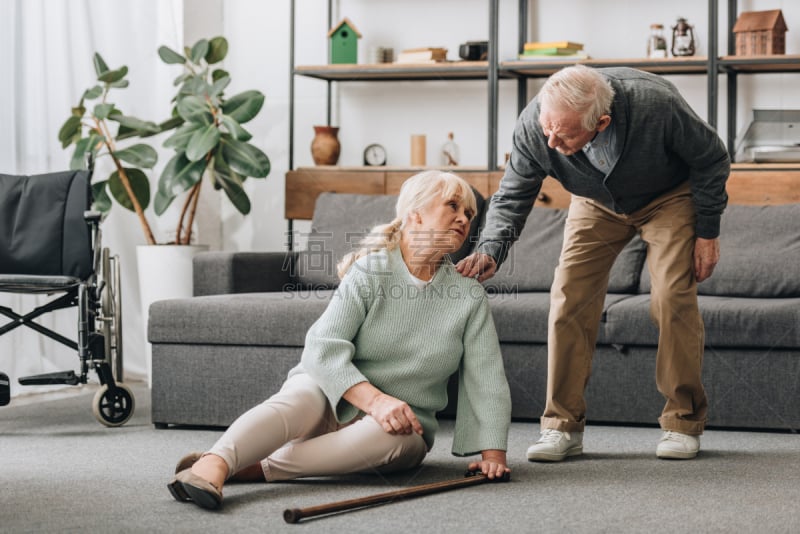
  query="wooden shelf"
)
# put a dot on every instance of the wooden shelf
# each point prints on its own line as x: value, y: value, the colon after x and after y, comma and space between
x: 761, y: 64
x: 758, y: 167
x: 542, y: 68
x: 305, y: 184
x: 448, y: 70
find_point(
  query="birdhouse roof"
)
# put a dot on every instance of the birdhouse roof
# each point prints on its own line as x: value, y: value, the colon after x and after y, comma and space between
x: 750, y: 21
x: 342, y: 22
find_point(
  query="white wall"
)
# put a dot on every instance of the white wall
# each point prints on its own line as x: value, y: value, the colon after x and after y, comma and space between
x: 389, y: 112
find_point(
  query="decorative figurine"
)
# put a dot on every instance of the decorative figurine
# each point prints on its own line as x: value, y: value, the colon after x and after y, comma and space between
x: 682, y: 38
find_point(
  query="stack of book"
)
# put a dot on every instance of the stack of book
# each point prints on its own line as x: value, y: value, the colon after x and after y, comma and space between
x: 553, y: 51
x: 422, y: 55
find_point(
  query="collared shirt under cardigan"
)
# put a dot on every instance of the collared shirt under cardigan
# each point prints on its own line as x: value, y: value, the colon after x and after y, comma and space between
x: 661, y: 143
x: 407, y: 341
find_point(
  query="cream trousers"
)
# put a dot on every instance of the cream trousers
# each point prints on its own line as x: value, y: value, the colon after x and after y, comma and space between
x: 295, y: 434
x: 593, y: 237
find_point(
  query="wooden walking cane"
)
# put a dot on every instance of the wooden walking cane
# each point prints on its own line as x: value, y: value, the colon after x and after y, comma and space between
x: 471, y: 478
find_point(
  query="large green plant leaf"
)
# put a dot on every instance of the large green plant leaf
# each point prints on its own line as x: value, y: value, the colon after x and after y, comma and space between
x: 234, y: 129
x: 138, y: 182
x: 217, y: 50
x: 112, y: 76
x: 218, y: 74
x: 244, y: 106
x: 70, y: 131
x: 199, y: 51
x: 171, y: 123
x: 231, y: 183
x: 194, y: 85
x: 194, y: 109
x: 134, y: 123
x: 161, y: 202
x: 84, y: 146
x: 91, y: 94
x: 101, y: 200
x: 101, y: 111
x: 244, y: 158
x: 170, y: 57
x: 180, y: 139
x: 202, y: 142
x: 140, y: 155
x: 178, y: 176
x: 219, y: 85
x: 99, y: 65
x: 78, y: 161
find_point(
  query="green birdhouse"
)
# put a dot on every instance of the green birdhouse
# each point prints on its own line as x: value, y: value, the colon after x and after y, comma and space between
x: 344, y: 42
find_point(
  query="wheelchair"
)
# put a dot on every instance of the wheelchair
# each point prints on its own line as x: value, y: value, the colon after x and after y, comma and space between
x: 50, y: 244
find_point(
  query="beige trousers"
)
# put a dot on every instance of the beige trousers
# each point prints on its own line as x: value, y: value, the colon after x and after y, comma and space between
x: 593, y: 238
x: 295, y: 434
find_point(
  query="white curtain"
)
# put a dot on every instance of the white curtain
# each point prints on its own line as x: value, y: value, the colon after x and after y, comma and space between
x: 47, y: 48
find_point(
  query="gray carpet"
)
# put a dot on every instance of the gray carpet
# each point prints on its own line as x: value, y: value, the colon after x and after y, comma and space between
x: 64, y: 472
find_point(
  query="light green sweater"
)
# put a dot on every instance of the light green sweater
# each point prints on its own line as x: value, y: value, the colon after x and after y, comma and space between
x: 380, y: 327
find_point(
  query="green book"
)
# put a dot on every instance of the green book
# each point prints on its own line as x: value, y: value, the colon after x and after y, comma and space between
x: 549, y: 52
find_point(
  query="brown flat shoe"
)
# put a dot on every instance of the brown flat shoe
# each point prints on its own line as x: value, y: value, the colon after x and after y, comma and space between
x: 186, y: 486
x: 187, y: 461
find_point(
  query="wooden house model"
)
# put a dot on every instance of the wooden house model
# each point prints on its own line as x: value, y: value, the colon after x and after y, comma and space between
x: 344, y: 42
x: 760, y: 33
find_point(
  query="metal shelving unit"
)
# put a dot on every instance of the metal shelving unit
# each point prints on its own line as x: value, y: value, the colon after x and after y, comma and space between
x: 492, y: 71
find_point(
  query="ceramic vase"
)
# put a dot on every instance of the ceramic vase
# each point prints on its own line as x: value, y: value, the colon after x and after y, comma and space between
x: 325, y: 146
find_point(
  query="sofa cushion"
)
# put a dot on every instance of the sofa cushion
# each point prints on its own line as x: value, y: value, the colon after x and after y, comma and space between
x: 531, y: 262
x: 340, y: 222
x: 262, y: 319
x: 759, y: 254
x: 729, y: 322
x: 522, y: 317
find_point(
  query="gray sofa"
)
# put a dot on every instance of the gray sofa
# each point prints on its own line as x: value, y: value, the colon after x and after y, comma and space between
x: 230, y: 346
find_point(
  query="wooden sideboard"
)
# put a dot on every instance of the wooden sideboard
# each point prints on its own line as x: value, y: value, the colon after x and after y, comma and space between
x: 748, y: 184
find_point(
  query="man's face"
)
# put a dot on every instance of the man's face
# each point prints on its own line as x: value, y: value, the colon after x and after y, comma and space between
x: 564, y: 131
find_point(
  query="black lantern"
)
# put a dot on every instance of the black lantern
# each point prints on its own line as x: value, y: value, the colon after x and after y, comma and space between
x: 682, y: 38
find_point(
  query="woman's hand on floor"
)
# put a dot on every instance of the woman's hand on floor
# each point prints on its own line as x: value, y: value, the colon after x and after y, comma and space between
x: 493, y: 464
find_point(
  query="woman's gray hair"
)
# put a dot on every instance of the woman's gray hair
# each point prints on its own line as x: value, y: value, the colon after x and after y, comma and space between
x: 416, y: 193
x: 581, y: 89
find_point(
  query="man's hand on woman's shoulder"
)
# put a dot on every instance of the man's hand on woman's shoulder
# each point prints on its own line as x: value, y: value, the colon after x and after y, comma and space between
x: 477, y: 265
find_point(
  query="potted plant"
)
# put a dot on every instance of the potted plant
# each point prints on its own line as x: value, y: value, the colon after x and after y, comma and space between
x: 208, y: 139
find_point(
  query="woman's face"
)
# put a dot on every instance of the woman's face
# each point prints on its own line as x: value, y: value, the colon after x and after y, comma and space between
x: 443, y: 224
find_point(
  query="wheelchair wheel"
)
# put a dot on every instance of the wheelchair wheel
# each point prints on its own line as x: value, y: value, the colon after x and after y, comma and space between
x: 111, y: 309
x: 113, y: 407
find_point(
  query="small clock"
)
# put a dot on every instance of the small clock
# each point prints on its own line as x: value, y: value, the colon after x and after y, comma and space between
x: 375, y: 155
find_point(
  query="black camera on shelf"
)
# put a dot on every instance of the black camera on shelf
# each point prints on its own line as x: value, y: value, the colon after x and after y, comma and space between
x: 473, y: 50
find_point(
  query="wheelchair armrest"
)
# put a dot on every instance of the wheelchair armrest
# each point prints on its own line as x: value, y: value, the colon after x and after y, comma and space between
x: 218, y: 273
x: 92, y: 216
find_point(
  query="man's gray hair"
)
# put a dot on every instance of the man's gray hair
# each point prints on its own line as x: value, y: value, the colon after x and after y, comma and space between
x: 581, y: 89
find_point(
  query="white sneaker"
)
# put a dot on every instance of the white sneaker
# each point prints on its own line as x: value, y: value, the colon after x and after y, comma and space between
x: 678, y: 446
x: 554, y: 446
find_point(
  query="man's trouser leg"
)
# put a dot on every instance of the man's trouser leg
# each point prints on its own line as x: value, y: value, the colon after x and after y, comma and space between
x: 593, y: 238
x: 667, y: 225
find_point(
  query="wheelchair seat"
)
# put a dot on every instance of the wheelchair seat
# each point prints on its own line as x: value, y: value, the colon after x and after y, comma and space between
x: 50, y: 243
x: 23, y: 283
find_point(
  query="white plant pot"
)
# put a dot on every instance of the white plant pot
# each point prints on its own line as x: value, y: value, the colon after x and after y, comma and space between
x: 165, y: 272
